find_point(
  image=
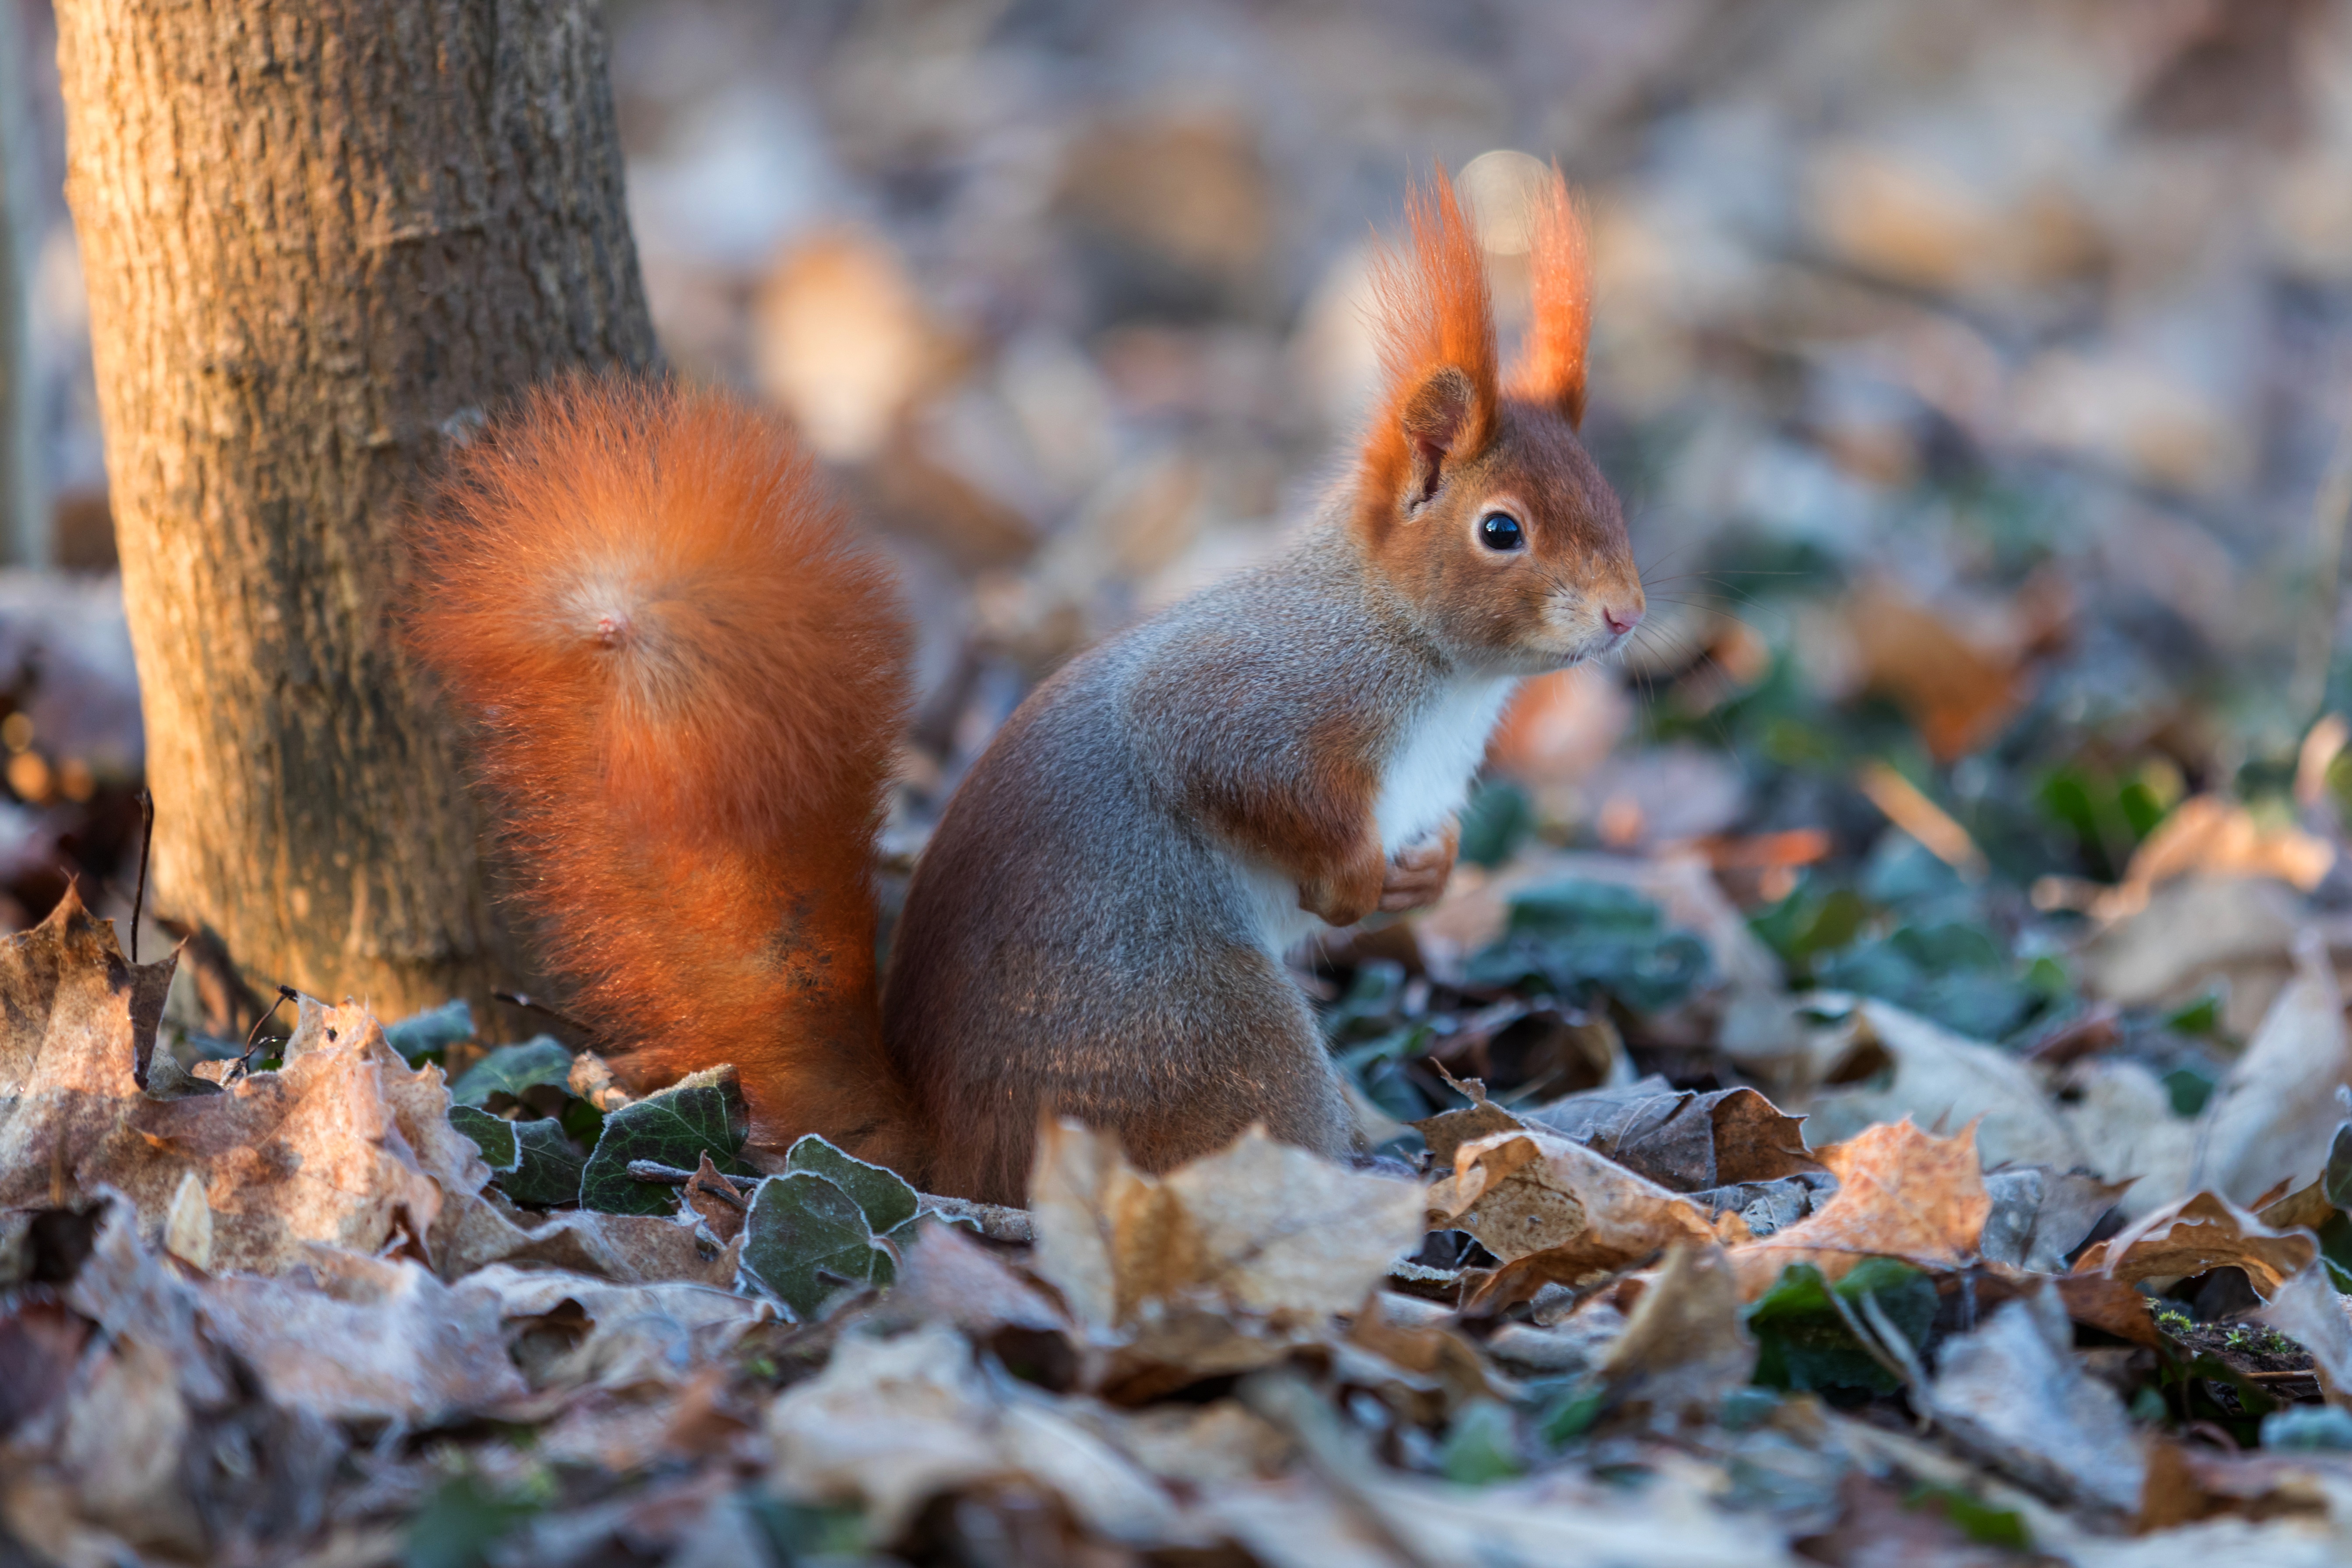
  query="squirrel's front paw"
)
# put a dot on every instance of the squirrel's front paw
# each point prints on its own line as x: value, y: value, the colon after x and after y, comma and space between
x: 1417, y: 878
x: 1346, y: 893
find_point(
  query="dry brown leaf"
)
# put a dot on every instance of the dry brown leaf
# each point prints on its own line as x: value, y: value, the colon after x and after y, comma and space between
x: 887, y: 1423
x: 314, y: 1153
x: 2311, y: 1312
x: 1941, y: 1081
x: 1258, y: 1228
x: 567, y: 1331
x: 77, y: 1026
x: 720, y: 1205
x: 2274, y: 1116
x: 2195, y: 1235
x: 1956, y: 693
x: 948, y: 1277
x: 1686, y: 1346
x: 1683, y: 1139
x: 365, y: 1337
x: 627, y: 1249
x: 1423, y: 1522
x: 1534, y: 1191
x: 2014, y: 1392
x: 890, y: 1422
x: 1426, y: 1350
x: 1901, y: 1193
x: 2110, y: 1305
x: 2207, y: 835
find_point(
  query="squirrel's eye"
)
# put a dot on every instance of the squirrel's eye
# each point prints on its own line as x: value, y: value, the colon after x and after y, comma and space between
x: 1501, y: 530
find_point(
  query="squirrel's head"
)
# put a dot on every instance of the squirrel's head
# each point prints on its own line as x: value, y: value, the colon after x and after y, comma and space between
x: 1474, y: 497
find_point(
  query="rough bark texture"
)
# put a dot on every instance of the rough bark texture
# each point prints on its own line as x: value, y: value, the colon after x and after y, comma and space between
x: 321, y: 238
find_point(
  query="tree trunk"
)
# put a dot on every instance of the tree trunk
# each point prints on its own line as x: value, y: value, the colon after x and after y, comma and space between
x: 321, y: 239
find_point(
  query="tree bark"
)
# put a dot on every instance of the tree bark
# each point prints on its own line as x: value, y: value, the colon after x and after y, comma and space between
x: 321, y: 239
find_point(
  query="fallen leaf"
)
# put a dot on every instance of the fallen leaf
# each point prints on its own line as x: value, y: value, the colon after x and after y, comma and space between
x: 718, y: 1202
x: 2039, y: 1215
x: 1259, y: 1226
x: 945, y: 1275
x: 2197, y: 932
x: 701, y: 1113
x: 2272, y: 1119
x: 888, y: 1423
x: 316, y: 1151
x: 1683, y: 1139
x: 2196, y: 1235
x: 1524, y: 1193
x: 77, y: 1027
x: 1941, y: 1081
x: 806, y: 1241
x: 511, y: 1070
x: 1684, y: 1348
x: 365, y: 1338
x: 2122, y: 1115
x: 1420, y: 1521
x: 2016, y: 1395
x: 628, y: 1249
x: 2309, y: 1310
x: 566, y: 1331
x: 1957, y: 693
x: 1902, y: 1194
x: 2207, y: 835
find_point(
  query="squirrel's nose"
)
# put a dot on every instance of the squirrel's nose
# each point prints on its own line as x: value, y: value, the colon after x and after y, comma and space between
x: 1622, y: 621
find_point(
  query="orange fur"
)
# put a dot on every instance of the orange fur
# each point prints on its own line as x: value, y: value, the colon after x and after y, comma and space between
x: 1551, y: 371
x: 1435, y: 316
x: 689, y: 681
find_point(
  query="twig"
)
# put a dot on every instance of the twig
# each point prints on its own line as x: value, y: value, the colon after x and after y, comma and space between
x: 671, y: 1176
x: 146, y: 842
x: 996, y: 1222
x: 517, y: 999
x: 253, y: 1038
x: 1922, y: 818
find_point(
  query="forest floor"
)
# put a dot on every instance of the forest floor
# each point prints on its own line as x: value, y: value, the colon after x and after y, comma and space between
x: 1875, y: 1092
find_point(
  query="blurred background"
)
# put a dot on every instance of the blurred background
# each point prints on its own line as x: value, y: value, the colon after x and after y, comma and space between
x: 1976, y: 378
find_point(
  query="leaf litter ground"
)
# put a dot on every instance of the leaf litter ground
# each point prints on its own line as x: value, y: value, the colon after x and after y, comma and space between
x: 2012, y: 1304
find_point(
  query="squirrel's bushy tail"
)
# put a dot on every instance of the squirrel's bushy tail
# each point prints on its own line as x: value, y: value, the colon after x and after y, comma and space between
x: 689, y: 681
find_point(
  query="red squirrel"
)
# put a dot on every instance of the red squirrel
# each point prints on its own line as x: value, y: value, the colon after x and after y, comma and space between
x: 690, y: 679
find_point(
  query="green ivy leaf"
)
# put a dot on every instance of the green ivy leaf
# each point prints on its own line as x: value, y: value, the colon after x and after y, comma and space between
x: 510, y: 1069
x: 548, y: 1168
x: 699, y: 1115
x: 804, y: 1237
x: 493, y: 1135
x: 429, y: 1032
x: 886, y: 1200
x: 1803, y: 1340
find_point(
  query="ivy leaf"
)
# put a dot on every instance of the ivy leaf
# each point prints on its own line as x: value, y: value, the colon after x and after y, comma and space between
x: 435, y: 1030
x: 1801, y: 1337
x: 510, y: 1069
x: 493, y: 1135
x: 702, y: 1114
x: 880, y: 1193
x: 804, y: 1237
x: 547, y: 1172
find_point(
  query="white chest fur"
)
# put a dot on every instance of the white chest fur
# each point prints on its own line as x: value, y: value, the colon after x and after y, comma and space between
x: 1428, y: 774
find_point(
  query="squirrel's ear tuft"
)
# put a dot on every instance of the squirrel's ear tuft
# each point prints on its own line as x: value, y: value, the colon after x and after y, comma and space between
x: 1437, y: 351
x: 1551, y: 371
